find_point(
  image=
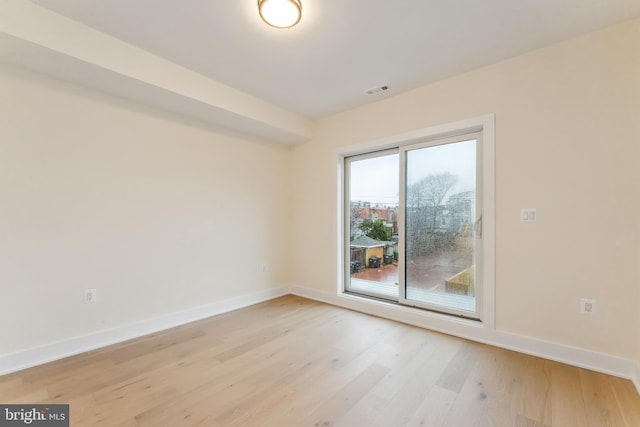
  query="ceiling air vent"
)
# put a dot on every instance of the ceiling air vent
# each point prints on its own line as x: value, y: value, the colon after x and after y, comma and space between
x: 377, y: 89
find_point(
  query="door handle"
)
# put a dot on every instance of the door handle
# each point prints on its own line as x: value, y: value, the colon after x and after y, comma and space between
x: 477, y: 227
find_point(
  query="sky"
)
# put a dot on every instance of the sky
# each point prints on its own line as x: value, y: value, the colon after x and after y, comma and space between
x: 376, y: 180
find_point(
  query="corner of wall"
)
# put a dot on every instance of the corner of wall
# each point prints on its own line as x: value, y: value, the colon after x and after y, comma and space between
x: 59, y: 350
x: 636, y: 376
x: 578, y: 357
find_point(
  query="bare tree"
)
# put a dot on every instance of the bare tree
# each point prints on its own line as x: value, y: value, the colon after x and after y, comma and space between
x: 436, y: 189
x: 425, y: 199
x: 426, y: 196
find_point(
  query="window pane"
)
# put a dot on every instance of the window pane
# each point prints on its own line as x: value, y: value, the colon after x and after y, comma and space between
x: 440, y: 213
x: 373, y: 225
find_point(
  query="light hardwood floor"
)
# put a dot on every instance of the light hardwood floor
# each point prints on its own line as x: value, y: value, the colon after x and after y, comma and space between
x: 296, y: 362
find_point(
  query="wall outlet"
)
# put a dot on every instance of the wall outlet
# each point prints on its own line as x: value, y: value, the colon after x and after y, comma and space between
x: 90, y: 296
x: 587, y: 306
x: 264, y: 268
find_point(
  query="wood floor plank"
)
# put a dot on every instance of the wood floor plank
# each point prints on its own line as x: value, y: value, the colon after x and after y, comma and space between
x: 413, y: 384
x: 523, y: 421
x: 9, y: 384
x: 492, y: 391
x: 434, y: 409
x: 339, y: 404
x: 567, y: 401
x: 343, y: 365
x: 410, y: 351
x: 296, y: 362
x: 34, y: 396
x: 626, y: 395
x: 156, y: 343
x: 535, y: 404
x: 263, y: 402
x: 603, y: 408
x: 457, y: 372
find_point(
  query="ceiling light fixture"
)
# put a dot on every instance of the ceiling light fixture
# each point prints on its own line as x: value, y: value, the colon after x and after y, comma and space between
x: 280, y: 13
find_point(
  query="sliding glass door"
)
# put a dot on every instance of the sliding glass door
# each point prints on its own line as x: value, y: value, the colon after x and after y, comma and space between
x: 413, y: 222
x: 442, y: 225
x: 372, y: 189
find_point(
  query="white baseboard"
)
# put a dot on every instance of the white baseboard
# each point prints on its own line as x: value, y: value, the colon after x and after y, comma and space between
x: 474, y: 331
x: 59, y: 350
x: 471, y: 330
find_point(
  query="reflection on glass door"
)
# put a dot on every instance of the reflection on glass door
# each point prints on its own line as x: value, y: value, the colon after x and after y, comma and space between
x: 372, y: 185
x: 442, y: 223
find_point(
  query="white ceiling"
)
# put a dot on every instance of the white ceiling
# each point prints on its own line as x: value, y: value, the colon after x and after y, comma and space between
x: 341, y: 48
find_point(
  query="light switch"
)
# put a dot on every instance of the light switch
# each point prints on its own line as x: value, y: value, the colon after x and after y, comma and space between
x: 528, y: 215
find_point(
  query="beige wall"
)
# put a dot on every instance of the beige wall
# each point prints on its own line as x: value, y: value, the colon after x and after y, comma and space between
x: 156, y: 213
x: 567, y: 126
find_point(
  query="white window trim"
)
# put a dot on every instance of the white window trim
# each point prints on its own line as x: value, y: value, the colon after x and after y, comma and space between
x: 432, y: 320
